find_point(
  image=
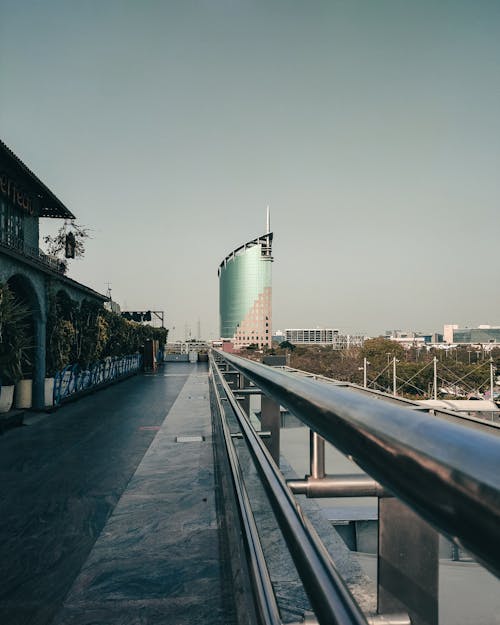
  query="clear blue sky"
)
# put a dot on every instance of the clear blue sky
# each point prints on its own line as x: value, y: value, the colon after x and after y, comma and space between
x: 371, y: 128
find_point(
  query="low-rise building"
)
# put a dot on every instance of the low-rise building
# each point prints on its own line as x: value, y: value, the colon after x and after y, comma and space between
x: 33, y: 276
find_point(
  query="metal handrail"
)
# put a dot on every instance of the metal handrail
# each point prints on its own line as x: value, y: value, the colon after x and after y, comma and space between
x: 448, y: 473
x: 329, y: 596
x: 265, y: 600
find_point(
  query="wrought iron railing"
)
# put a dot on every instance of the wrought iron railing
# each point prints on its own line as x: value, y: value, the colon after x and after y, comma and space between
x: 73, y: 379
x: 18, y: 245
x: 428, y: 474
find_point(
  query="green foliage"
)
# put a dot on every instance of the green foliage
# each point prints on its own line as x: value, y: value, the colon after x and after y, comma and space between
x: 56, y: 245
x: 87, y: 333
x: 287, y: 345
x: 61, y: 341
x: 14, y: 336
x: 380, y: 351
x: 414, y: 369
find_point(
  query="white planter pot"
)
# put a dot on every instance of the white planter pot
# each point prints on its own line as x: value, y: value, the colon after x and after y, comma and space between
x: 6, y: 398
x: 23, y: 394
x: 49, y: 392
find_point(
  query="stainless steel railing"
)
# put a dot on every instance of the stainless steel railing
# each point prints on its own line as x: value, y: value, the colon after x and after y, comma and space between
x: 329, y: 596
x: 447, y: 473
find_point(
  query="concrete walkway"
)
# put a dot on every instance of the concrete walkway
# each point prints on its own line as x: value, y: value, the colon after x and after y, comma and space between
x: 105, y: 517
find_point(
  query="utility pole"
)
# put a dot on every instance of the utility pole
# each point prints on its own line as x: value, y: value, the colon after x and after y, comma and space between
x: 365, y: 377
x: 492, y: 377
x: 435, y: 378
x: 394, y: 379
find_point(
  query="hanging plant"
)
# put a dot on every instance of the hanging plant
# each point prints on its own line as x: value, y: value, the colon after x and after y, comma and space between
x: 68, y: 242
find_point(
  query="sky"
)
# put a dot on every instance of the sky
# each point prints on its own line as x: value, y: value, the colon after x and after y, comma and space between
x: 370, y: 128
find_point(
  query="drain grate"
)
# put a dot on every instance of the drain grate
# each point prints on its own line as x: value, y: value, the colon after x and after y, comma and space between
x: 189, y: 439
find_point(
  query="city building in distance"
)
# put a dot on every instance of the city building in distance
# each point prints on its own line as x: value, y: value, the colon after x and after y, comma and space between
x: 322, y: 336
x: 482, y: 335
x: 245, y: 293
x: 408, y: 339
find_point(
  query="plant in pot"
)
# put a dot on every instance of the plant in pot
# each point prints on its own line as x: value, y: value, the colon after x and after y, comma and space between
x: 14, y: 344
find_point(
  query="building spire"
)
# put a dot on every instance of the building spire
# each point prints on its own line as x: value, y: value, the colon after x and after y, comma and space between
x: 268, y: 221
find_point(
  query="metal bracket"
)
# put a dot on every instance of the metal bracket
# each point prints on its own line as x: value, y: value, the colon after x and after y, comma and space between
x: 378, y: 619
x: 351, y: 485
x: 262, y: 434
x: 389, y: 619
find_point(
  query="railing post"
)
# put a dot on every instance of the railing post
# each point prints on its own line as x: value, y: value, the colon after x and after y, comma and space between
x: 408, y: 564
x: 244, y: 400
x: 270, y: 420
x: 232, y: 378
x: 316, y: 455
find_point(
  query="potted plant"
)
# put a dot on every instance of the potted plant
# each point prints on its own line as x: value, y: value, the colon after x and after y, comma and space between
x: 14, y: 344
x: 61, y: 336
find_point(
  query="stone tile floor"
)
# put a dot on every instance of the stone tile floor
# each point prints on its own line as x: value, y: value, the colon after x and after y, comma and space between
x: 104, y: 517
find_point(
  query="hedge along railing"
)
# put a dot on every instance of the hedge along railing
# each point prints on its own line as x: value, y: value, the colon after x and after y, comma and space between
x: 73, y: 379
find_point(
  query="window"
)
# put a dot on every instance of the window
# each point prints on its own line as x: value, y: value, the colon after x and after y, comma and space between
x: 11, y: 226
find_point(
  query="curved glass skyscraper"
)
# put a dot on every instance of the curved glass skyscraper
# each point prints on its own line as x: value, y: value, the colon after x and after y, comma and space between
x: 245, y: 293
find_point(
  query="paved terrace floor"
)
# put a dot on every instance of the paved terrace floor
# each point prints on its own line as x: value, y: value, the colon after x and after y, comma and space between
x: 105, y: 518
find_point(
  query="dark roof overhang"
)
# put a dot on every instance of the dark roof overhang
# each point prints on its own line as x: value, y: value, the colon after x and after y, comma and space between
x: 51, y: 206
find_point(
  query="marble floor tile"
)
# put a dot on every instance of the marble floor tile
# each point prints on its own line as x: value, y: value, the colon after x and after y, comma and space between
x: 159, y: 551
x: 60, y: 480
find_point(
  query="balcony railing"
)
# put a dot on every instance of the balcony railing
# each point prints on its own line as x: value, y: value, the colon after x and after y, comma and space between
x: 18, y: 245
x: 73, y: 380
x: 428, y: 474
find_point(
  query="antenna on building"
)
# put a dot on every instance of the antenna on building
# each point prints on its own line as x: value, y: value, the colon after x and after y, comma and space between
x: 268, y: 221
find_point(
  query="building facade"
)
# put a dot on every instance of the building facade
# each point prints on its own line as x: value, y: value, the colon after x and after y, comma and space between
x: 322, y: 336
x: 308, y: 336
x: 482, y: 335
x: 33, y: 276
x: 245, y: 294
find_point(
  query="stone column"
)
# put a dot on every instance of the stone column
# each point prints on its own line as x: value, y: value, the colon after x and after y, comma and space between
x: 38, y: 399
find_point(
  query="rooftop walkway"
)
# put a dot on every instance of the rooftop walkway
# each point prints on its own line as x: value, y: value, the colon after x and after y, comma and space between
x: 106, y: 518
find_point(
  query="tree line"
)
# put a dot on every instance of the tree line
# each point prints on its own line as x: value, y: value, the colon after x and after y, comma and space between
x: 461, y: 369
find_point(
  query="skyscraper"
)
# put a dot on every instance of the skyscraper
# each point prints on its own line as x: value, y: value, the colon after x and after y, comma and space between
x: 245, y: 293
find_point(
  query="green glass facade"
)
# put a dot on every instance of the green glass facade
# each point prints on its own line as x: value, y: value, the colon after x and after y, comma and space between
x: 245, y: 293
x: 476, y: 335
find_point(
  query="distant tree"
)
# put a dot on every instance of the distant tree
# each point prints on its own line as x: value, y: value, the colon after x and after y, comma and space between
x: 287, y: 345
x: 381, y: 350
